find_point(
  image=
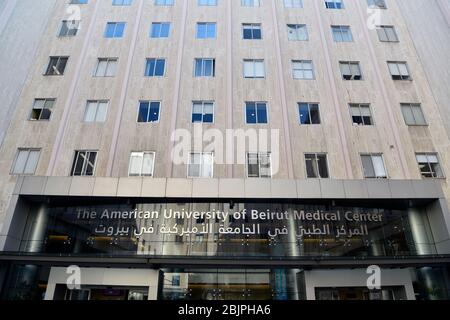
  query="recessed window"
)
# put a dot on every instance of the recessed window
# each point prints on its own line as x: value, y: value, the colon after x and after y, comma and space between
x: 252, y: 31
x: 206, y: 30
x: 361, y: 114
x: 42, y: 109
x: 155, y: 67
x: 293, y: 3
x: 56, y: 66
x: 106, y: 67
x: 350, y: 70
x: 141, y: 164
x: 205, y: 67
x: 96, y: 111
x: 164, y: 2
x: 297, y: 32
x: 342, y: 33
x: 149, y: 111
x: 429, y: 165
x: 377, y: 4
x: 202, y: 112
x: 309, y: 113
x: 256, y: 112
x: 250, y: 3
x: 302, y: 69
x: 200, y: 165
x: 69, y: 28
x: 399, y: 70
x: 84, y: 163
x: 387, y: 34
x: 207, y: 2
x: 316, y: 165
x: 373, y: 166
x: 254, y: 68
x: 334, y: 4
x: 259, y: 165
x: 115, y: 29
x: 26, y: 161
x: 160, y: 30
x: 413, y: 115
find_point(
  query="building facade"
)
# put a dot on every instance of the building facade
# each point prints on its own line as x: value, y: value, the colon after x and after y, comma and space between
x: 212, y: 149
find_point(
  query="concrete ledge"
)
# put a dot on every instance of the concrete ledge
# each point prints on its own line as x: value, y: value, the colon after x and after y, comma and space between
x: 257, y: 188
x: 230, y: 188
x: 205, y: 188
x: 179, y: 188
x: 154, y: 187
x: 33, y: 185
x: 82, y: 186
x: 57, y: 186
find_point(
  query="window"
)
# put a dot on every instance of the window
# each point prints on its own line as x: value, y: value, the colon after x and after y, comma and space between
x: 203, y: 112
x: 250, y: 3
x: 303, y: 69
x: 350, y: 70
x: 26, y: 161
x: 429, y: 165
x: 56, y: 66
x: 206, y: 30
x: 378, y: 4
x: 361, y: 114
x: 251, y: 31
x: 200, y: 165
x: 316, y: 165
x: 293, y: 3
x: 387, y: 34
x: 149, y: 111
x: 373, y: 166
x: 160, y: 30
x: 155, y: 67
x: 42, y: 109
x: 399, y: 70
x: 69, y: 28
x: 207, y: 2
x: 334, y: 4
x: 309, y: 113
x: 84, y: 163
x: 96, y: 111
x: 205, y: 67
x: 141, y: 164
x: 164, y: 2
x: 256, y: 112
x: 122, y: 2
x: 259, y: 165
x: 106, y: 67
x: 413, y: 115
x: 342, y: 33
x: 297, y: 32
x: 115, y: 29
x: 254, y: 69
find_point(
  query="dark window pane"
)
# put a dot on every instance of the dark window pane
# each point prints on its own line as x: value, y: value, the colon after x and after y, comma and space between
x: 315, y: 114
x: 251, y: 113
x: 262, y: 113
x: 304, y: 114
x: 247, y: 34
x: 154, y: 112
x: 143, y: 112
x: 323, y: 166
x: 160, y: 64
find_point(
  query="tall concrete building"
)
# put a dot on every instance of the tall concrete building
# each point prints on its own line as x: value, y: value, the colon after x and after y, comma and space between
x: 224, y: 149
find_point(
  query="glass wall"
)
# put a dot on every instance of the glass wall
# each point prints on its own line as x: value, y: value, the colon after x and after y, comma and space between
x: 225, y: 230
